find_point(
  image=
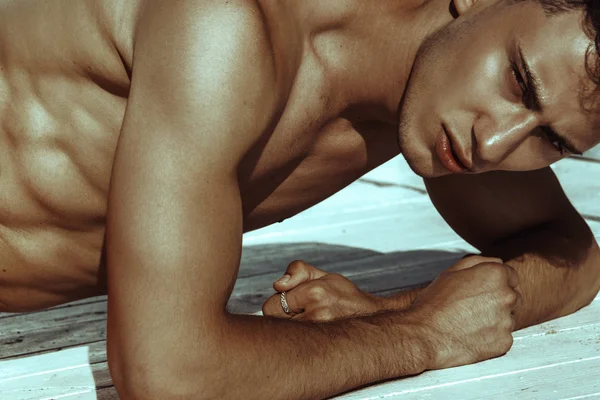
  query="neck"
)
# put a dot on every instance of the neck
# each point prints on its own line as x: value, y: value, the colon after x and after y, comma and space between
x: 369, y: 47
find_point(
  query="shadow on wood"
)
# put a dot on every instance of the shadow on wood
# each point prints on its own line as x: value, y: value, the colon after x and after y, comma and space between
x: 83, y: 323
x: 379, y: 273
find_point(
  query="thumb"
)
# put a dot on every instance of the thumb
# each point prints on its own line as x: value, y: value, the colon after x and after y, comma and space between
x: 297, y: 273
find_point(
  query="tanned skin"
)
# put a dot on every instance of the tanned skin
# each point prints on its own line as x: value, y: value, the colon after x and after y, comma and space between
x: 142, y: 138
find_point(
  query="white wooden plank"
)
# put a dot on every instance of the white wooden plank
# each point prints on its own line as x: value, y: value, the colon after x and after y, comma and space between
x: 52, y: 318
x: 570, y: 379
x: 581, y: 183
x: 64, y: 374
x: 417, y: 226
x: 567, y: 348
x: 392, y: 182
x: 593, y: 153
x: 396, y: 171
x: 412, y: 225
x: 376, y: 218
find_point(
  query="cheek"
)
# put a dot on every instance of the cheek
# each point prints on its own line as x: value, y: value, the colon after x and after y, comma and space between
x: 534, y: 153
x: 482, y: 77
x: 434, y: 60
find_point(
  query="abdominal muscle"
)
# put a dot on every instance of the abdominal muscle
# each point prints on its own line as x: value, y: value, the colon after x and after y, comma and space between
x: 58, y: 136
x: 55, y: 164
x: 55, y: 182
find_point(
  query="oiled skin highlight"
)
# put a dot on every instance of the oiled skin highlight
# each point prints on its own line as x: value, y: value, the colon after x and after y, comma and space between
x: 140, y: 139
x: 63, y: 100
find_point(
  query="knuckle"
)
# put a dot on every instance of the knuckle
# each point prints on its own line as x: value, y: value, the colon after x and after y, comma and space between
x: 479, y: 259
x: 476, y: 257
x: 470, y: 255
x: 266, y: 310
x: 322, y: 315
x: 510, y: 298
x: 317, y: 293
x: 268, y: 307
x: 495, y: 260
x: 506, y: 324
x: 507, y: 344
x: 495, y: 271
x: 296, y: 265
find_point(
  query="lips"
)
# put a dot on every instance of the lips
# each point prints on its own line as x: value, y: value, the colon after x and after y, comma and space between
x: 443, y: 148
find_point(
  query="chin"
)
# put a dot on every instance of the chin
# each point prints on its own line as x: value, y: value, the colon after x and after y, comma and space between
x: 418, y: 161
x: 420, y: 165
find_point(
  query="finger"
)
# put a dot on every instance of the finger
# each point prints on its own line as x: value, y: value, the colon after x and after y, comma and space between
x: 292, y: 299
x: 513, y: 276
x: 272, y: 308
x: 473, y: 260
x: 297, y: 272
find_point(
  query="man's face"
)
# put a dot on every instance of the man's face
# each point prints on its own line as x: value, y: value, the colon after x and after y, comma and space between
x: 469, y: 104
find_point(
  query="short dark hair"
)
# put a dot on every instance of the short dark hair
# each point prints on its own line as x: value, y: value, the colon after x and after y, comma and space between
x: 591, y: 26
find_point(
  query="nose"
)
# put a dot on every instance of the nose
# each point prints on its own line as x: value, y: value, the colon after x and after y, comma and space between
x: 499, y: 133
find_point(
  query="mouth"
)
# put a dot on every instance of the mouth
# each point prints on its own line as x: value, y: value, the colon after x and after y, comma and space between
x: 446, y: 154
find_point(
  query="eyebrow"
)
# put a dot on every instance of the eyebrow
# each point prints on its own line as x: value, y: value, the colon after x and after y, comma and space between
x: 535, y: 101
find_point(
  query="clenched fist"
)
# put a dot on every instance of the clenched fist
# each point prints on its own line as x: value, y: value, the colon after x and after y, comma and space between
x: 467, y: 312
x: 315, y: 295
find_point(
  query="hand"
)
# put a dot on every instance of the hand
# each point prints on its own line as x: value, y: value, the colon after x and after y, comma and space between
x: 467, y: 311
x: 315, y: 295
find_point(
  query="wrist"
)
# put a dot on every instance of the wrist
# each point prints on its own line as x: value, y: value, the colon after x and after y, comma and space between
x: 416, y: 348
x: 398, y: 302
x: 424, y: 341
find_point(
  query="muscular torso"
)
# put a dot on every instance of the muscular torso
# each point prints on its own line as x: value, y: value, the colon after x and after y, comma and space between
x: 64, y: 83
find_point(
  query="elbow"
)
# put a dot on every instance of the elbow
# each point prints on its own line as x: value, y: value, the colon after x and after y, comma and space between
x: 593, y: 295
x: 593, y: 278
x: 588, y: 293
x: 169, y: 377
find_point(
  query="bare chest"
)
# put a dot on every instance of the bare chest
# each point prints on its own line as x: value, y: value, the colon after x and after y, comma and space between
x: 306, y: 160
x: 56, y: 162
x: 58, y: 157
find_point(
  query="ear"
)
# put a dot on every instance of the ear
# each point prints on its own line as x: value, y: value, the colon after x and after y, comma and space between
x: 462, y: 6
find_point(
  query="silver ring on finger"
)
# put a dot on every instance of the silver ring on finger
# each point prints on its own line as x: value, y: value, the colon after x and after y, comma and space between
x: 284, y: 304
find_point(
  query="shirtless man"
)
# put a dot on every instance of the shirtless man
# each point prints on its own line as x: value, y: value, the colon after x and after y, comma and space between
x: 160, y: 131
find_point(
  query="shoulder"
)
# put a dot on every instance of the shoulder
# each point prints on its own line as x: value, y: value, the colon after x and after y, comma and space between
x: 205, y: 63
x: 230, y: 36
x: 231, y: 19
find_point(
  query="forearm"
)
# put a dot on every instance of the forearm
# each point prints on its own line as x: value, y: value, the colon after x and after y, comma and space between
x: 261, y: 358
x: 558, y: 267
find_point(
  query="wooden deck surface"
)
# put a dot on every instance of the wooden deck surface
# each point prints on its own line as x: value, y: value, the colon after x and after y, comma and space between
x: 384, y: 234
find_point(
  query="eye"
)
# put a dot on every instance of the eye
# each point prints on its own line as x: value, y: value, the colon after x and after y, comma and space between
x: 521, y: 87
x: 555, y: 141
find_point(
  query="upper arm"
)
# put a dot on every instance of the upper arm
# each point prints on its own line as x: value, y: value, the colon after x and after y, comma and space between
x: 202, y: 93
x: 486, y: 208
